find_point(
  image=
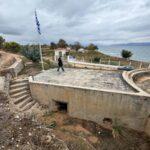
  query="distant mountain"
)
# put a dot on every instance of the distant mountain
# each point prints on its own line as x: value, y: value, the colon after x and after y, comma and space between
x: 133, y: 44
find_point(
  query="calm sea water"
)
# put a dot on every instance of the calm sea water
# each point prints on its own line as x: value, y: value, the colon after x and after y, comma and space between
x: 141, y: 53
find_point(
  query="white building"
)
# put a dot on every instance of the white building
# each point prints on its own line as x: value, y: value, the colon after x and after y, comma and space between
x: 60, y: 52
x: 81, y: 50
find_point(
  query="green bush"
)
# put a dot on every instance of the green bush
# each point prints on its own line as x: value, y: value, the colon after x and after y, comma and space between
x: 126, y: 54
x: 31, y: 52
x: 12, y: 46
x: 92, y: 47
x: 2, y: 41
x: 96, y: 60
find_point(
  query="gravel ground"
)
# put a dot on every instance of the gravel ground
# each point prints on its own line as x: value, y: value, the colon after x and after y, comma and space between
x: 100, y: 79
x: 24, y: 133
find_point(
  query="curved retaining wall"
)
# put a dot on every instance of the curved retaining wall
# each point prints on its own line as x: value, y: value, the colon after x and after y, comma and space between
x: 6, y: 75
x: 131, y: 76
x: 14, y: 69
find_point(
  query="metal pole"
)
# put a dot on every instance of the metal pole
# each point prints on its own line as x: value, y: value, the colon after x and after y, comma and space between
x: 41, y: 57
x: 140, y: 65
x: 100, y: 61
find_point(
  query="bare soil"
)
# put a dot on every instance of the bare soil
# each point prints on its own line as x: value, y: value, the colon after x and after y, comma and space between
x: 6, y: 59
x: 78, y: 134
x: 25, y: 133
x: 57, y: 130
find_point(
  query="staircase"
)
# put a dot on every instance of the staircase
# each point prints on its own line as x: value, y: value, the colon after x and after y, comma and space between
x: 20, y: 95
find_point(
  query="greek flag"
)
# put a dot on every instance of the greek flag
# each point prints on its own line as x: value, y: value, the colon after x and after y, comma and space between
x: 37, y: 23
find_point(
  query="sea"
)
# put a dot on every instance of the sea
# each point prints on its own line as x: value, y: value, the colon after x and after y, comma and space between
x: 140, y: 53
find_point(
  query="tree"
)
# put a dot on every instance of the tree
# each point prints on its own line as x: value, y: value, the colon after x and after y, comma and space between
x: 2, y: 40
x: 12, y: 46
x: 53, y: 45
x: 77, y: 46
x: 92, y: 47
x: 126, y: 54
x: 62, y: 44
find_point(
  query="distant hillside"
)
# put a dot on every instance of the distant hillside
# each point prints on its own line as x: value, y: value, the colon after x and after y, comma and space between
x: 133, y: 44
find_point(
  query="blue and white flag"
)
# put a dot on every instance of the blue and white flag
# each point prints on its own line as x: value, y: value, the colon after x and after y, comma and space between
x: 37, y: 23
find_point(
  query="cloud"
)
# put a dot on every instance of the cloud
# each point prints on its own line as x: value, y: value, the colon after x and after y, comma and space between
x: 98, y: 21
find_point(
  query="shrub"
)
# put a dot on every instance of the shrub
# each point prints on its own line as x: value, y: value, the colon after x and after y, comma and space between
x: 96, y: 60
x: 126, y: 54
x: 12, y: 46
x: 31, y: 52
x: 52, y: 125
x: 92, y: 47
x: 2, y: 41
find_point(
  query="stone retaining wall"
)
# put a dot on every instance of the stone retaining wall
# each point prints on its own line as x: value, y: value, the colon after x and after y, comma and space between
x: 129, y: 109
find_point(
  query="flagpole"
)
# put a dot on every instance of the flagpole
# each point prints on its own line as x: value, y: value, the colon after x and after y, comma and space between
x: 39, y: 32
x: 41, y: 57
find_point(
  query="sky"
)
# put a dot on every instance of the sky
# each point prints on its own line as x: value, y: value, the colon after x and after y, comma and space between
x: 86, y: 21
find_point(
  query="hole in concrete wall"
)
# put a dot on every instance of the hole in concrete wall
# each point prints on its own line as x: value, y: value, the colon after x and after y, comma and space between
x: 107, y: 120
x: 61, y: 106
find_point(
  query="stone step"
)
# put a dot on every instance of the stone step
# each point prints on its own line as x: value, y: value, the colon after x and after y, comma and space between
x: 19, y: 81
x: 29, y: 105
x: 19, y: 94
x: 37, y: 105
x: 17, y: 85
x: 21, y: 99
x: 25, y: 102
x: 16, y: 90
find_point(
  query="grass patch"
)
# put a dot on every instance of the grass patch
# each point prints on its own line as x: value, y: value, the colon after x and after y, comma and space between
x: 52, y: 125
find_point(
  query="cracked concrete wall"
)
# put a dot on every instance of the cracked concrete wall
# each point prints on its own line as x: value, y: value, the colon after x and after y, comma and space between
x: 131, y: 110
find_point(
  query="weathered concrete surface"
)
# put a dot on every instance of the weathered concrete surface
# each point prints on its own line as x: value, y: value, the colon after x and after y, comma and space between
x: 14, y: 69
x: 2, y: 84
x: 10, y: 63
x: 2, y: 88
x: 132, y: 78
x: 129, y: 109
x: 79, y: 64
x: 17, y: 66
x: 100, y: 79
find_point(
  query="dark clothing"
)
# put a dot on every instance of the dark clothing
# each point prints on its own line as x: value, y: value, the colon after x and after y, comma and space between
x: 60, y: 64
x: 61, y: 68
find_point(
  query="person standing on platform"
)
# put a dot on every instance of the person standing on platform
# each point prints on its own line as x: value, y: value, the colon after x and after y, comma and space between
x: 60, y: 64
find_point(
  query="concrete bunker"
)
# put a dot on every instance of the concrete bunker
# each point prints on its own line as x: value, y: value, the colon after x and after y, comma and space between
x: 91, y: 99
x: 60, y: 106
